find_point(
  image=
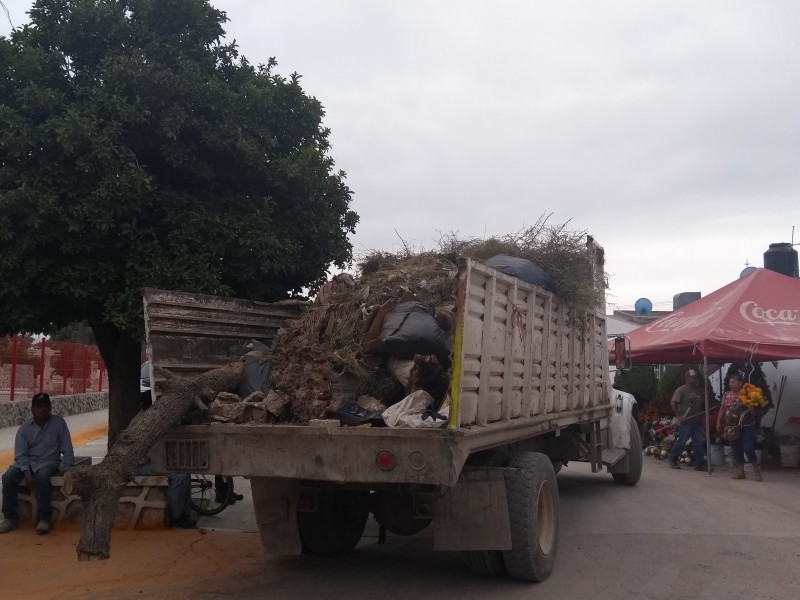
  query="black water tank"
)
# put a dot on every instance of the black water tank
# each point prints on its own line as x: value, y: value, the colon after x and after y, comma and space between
x: 781, y: 258
x: 684, y: 298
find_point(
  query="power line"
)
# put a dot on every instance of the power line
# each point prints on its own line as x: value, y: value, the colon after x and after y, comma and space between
x: 8, y: 14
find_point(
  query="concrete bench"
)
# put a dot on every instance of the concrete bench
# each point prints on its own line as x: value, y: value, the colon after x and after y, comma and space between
x: 142, y: 504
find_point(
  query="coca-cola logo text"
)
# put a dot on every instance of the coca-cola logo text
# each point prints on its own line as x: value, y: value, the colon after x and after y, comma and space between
x: 677, y: 321
x: 754, y: 313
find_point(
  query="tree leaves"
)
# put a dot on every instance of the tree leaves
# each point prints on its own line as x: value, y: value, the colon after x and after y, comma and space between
x: 139, y: 150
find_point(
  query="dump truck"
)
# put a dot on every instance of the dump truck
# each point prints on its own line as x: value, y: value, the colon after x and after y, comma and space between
x: 529, y: 392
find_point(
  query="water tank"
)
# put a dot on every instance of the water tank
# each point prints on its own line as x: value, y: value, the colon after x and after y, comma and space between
x: 684, y: 298
x: 781, y: 258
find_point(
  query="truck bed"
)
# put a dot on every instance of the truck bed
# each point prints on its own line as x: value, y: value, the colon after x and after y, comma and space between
x: 524, y: 364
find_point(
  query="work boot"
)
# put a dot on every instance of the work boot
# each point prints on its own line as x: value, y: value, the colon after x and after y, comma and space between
x: 673, y: 464
x: 42, y: 527
x: 738, y: 472
x: 185, y: 522
x: 8, y: 525
x: 756, y: 470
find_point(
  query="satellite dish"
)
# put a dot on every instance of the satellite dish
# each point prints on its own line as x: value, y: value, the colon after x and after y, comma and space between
x: 643, y: 307
x: 746, y: 271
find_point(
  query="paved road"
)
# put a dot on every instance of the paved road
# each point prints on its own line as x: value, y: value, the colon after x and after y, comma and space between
x: 678, y: 534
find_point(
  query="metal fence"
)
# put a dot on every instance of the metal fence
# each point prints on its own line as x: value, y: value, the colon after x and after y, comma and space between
x: 31, y: 364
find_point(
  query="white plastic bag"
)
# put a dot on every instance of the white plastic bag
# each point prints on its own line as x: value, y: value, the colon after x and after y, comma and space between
x: 410, y: 410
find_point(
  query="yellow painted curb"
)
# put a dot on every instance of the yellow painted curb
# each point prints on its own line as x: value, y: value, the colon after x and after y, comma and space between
x: 78, y: 439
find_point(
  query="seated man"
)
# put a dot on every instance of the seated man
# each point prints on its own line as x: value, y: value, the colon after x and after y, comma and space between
x: 42, y: 442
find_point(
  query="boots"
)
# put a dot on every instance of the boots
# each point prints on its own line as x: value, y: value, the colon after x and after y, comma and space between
x: 738, y: 473
x: 756, y: 470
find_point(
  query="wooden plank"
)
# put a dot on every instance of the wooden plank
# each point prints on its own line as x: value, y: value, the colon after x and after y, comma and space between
x: 547, y: 353
x: 510, y: 347
x: 486, y: 356
x: 527, y: 366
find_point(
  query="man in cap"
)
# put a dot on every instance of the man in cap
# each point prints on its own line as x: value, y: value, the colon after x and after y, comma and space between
x: 42, y: 448
x: 687, y: 404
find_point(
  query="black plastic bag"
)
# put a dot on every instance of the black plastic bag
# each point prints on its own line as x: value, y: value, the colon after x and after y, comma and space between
x: 410, y: 329
x: 256, y: 376
x: 523, y: 269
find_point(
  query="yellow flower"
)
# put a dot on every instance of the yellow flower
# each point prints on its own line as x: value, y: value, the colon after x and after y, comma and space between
x: 752, y: 396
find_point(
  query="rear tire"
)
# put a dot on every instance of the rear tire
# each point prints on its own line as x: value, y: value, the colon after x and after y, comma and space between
x: 337, y: 525
x: 634, y: 473
x: 532, y: 494
x: 487, y: 563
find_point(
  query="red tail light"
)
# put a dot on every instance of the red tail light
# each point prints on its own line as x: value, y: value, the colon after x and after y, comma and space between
x: 385, y: 460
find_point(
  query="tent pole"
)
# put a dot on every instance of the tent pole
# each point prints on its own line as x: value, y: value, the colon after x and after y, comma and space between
x: 708, y: 418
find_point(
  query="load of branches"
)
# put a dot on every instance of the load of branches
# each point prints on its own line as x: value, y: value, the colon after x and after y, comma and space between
x: 333, y: 352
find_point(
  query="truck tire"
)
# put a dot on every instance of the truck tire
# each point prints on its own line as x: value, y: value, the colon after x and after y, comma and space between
x: 634, y: 473
x: 532, y: 494
x: 487, y: 563
x: 338, y: 523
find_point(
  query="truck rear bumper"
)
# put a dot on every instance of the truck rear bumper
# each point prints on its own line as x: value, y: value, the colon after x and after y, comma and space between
x: 347, y: 454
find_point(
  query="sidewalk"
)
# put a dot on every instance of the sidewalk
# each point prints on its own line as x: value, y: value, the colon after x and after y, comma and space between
x: 144, y: 564
x: 89, y: 432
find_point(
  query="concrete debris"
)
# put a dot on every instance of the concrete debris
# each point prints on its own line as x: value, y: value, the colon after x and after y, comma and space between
x: 227, y: 397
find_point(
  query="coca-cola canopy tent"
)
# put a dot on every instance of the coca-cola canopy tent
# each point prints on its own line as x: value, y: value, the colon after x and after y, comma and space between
x: 755, y: 318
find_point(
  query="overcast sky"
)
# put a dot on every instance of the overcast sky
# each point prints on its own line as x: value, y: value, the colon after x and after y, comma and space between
x: 667, y: 130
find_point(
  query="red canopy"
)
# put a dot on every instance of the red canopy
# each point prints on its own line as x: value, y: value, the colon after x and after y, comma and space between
x: 755, y: 318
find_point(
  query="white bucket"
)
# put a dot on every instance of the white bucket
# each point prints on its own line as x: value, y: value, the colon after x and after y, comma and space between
x: 790, y: 456
x: 717, y: 455
x: 728, y: 454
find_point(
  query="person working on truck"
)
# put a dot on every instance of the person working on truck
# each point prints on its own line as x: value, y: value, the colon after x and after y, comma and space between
x: 179, y: 491
x: 179, y: 496
x: 687, y: 404
x: 42, y: 447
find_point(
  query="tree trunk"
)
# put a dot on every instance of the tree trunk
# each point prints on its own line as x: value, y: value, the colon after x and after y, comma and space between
x: 121, y: 353
x: 100, y: 486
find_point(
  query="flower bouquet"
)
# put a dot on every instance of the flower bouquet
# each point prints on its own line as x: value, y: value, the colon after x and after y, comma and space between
x: 742, y: 413
x: 752, y: 396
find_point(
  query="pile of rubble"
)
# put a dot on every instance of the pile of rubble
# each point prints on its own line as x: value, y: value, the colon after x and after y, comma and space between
x: 375, y: 349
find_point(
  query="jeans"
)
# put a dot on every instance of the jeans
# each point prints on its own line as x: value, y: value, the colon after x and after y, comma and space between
x: 11, y: 480
x: 179, y: 491
x: 688, y: 430
x: 746, y: 444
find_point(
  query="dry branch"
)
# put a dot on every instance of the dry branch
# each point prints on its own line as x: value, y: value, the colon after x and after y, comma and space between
x: 100, y: 486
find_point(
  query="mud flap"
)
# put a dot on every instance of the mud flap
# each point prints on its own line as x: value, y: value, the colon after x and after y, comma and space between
x: 473, y: 515
x: 275, y: 503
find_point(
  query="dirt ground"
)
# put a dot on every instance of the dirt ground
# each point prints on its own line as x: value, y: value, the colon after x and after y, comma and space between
x: 173, y: 564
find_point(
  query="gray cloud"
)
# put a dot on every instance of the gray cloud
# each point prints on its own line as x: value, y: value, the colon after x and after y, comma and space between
x: 666, y: 130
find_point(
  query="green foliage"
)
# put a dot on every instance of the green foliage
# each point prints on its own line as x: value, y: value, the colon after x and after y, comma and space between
x: 78, y: 332
x: 671, y: 379
x: 639, y: 380
x: 139, y: 150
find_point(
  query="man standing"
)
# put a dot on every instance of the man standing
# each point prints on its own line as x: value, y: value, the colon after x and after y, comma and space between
x: 39, y: 446
x: 687, y: 404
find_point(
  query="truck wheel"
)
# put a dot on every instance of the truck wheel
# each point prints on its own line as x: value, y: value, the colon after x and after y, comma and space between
x: 488, y: 563
x: 532, y: 494
x: 634, y: 459
x: 338, y: 523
